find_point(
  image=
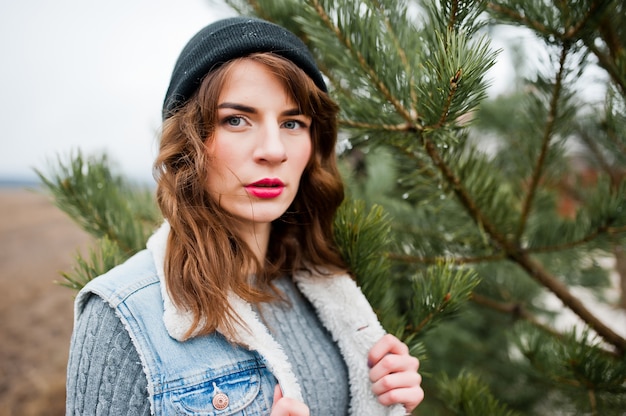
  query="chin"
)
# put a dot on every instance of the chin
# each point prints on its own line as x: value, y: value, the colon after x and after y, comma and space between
x: 260, y: 215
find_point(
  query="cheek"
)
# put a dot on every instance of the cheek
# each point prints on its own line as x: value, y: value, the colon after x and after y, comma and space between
x: 217, y: 173
x: 303, y: 155
x: 222, y: 157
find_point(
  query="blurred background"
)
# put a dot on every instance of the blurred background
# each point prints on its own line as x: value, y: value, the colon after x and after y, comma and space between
x: 74, y: 75
x: 91, y: 76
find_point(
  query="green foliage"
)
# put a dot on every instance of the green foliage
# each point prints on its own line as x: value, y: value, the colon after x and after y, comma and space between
x: 439, y: 293
x: 101, y: 258
x: 102, y: 203
x: 119, y: 215
x: 459, y: 396
x: 579, y: 366
x: 474, y: 211
x: 362, y: 237
x: 496, y: 187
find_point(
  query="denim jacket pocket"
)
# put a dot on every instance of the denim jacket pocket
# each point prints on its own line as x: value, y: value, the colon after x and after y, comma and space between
x: 236, y: 393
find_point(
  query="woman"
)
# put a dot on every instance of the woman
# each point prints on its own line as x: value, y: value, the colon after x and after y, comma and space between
x: 240, y: 305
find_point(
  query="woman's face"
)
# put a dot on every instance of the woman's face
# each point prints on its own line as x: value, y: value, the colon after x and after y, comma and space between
x: 260, y: 146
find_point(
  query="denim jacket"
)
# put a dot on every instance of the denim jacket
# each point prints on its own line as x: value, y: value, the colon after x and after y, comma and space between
x: 214, y: 375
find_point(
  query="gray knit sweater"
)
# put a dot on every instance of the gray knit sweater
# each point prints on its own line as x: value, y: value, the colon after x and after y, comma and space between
x: 105, y: 376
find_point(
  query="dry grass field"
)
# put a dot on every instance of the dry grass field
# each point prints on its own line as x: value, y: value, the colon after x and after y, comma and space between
x: 37, y: 242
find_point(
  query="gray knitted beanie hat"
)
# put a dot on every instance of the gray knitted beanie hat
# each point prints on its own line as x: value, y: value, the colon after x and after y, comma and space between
x: 228, y: 39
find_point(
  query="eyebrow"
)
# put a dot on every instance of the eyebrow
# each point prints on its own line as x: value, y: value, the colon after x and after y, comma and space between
x: 251, y: 110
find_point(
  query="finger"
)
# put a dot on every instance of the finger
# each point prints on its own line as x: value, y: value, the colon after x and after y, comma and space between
x: 388, y: 344
x: 391, y: 364
x: 409, y: 397
x: 278, y: 393
x: 289, y: 407
x: 397, y: 381
x: 284, y: 406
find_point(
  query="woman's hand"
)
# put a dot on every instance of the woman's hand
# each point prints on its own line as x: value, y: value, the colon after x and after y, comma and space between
x: 284, y: 406
x: 393, y: 373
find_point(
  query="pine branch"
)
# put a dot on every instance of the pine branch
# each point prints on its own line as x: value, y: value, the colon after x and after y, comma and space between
x: 466, y: 395
x: 374, y: 76
x: 604, y: 229
x: 608, y: 64
x: 574, y: 31
x: 611, y: 39
x: 447, y: 289
x: 453, y: 14
x: 381, y: 127
x: 362, y: 236
x: 613, y: 129
x: 521, y: 19
x: 522, y: 258
x: 404, y: 258
x: 516, y: 310
x: 605, y: 29
x: 589, y: 238
x: 459, y: 190
x: 454, y: 83
x: 403, y: 58
x: 610, y: 61
x: 545, y: 144
x: 575, y: 360
x: 101, y: 258
x: 512, y: 251
x: 119, y: 215
x: 533, y: 268
x: 594, y: 148
x: 536, y: 270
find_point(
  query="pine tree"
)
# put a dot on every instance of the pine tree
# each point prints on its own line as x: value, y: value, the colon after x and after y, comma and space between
x: 465, y: 214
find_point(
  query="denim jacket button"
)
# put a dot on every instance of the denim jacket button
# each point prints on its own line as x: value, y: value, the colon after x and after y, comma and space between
x: 220, y: 401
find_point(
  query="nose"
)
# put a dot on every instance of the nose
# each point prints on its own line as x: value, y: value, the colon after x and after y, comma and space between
x: 271, y: 148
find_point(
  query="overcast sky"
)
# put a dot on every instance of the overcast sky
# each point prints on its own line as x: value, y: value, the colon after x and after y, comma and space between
x: 91, y: 75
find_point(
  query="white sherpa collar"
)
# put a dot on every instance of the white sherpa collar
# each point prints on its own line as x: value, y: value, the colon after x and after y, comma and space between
x: 341, y: 307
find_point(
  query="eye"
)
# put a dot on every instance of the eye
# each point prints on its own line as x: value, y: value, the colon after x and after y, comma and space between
x: 291, y: 124
x: 294, y: 124
x: 234, y: 121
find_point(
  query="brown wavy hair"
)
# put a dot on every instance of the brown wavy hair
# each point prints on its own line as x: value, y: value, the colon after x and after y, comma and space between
x: 205, y: 259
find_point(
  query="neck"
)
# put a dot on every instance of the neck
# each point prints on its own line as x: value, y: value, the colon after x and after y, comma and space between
x: 256, y: 236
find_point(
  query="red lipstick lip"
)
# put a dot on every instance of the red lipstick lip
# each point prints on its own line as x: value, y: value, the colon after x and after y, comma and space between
x: 266, y: 188
x: 267, y: 182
